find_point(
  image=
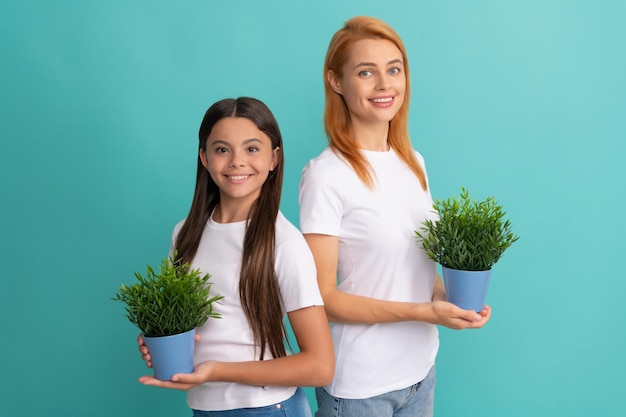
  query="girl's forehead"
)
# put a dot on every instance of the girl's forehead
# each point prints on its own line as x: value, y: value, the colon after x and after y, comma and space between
x: 236, y: 130
x: 234, y: 126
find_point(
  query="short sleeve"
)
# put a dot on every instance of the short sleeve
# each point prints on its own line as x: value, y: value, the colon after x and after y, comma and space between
x: 297, y: 276
x: 320, y: 200
x: 175, y: 232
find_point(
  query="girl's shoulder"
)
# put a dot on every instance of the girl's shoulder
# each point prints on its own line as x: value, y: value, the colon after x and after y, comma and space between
x: 177, y: 228
x: 290, y: 242
x: 285, y: 230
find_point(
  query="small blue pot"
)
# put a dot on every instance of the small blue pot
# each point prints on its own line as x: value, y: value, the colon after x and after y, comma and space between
x: 466, y: 289
x: 171, y: 354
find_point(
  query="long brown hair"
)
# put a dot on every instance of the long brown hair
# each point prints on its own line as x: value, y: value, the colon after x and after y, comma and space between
x: 258, y: 284
x: 336, y: 114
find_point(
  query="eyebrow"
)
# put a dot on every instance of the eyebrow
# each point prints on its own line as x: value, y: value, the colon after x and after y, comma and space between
x: 245, y: 142
x: 371, y: 64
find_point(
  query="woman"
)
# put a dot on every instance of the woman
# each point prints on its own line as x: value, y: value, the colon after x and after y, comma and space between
x: 262, y: 266
x: 360, y: 201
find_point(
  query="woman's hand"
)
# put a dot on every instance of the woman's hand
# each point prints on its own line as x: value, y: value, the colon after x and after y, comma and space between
x: 448, y: 315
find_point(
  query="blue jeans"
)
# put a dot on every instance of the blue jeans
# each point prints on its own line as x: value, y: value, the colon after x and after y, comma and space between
x: 415, y: 401
x: 296, y: 406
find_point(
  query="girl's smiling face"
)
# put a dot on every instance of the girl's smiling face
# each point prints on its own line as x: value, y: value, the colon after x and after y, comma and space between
x: 372, y: 82
x: 239, y: 158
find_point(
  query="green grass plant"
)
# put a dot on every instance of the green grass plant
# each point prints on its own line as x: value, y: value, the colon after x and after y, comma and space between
x: 469, y: 235
x: 173, y: 300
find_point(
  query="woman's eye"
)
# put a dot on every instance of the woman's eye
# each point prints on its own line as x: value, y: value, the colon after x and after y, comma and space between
x: 394, y: 71
x: 365, y: 73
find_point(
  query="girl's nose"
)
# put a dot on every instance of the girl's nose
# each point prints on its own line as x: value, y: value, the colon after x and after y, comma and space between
x: 236, y: 160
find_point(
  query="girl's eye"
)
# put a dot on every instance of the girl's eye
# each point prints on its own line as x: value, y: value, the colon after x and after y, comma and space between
x: 253, y: 149
x: 220, y: 150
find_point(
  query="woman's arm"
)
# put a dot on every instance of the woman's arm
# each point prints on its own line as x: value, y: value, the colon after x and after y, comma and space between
x: 314, y: 365
x: 350, y: 308
x: 439, y: 290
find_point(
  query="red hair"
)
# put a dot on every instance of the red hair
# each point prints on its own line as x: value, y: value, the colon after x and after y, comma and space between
x: 336, y: 114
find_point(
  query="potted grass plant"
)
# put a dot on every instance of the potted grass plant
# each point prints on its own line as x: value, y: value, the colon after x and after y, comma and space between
x: 467, y: 239
x: 167, y: 306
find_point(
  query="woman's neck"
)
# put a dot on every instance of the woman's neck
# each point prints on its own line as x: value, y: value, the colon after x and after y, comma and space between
x: 372, y: 136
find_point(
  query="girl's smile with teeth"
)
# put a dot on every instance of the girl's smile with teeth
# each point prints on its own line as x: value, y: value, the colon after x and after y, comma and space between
x: 237, y: 177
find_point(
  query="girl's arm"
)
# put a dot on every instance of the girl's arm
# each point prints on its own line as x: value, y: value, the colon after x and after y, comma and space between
x: 350, y: 308
x: 314, y: 365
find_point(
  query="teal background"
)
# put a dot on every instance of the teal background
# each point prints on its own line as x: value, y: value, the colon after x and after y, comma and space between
x: 101, y: 102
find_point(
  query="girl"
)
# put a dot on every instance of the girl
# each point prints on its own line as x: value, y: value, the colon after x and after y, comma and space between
x: 262, y: 266
x: 360, y: 201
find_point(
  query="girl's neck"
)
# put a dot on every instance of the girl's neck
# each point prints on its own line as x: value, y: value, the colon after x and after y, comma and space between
x: 371, y: 137
x: 230, y: 213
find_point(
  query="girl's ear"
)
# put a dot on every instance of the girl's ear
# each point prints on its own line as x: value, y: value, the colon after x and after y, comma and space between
x: 275, y: 158
x: 203, y: 159
x: 333, y: 80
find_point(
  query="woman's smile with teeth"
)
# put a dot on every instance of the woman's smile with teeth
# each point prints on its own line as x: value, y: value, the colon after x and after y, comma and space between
x: 382, y: 99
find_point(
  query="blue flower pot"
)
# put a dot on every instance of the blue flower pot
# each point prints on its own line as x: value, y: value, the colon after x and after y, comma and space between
x: 171, y: 354
x: 466, y: 289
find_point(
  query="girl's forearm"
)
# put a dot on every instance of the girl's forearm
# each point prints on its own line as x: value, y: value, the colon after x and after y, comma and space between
x: 300, y: 369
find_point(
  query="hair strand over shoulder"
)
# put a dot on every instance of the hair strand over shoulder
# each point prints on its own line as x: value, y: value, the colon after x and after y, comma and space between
x: 336, y: 114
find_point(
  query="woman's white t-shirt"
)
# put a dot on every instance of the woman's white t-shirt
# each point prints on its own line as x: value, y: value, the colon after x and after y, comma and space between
x: 379, y: 257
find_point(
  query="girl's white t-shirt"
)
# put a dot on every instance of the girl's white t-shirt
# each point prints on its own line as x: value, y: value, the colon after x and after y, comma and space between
x: 379, y: 257
x: 230, y: 339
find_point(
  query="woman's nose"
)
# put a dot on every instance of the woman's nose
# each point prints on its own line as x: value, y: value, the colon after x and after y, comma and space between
x: 383, y: 82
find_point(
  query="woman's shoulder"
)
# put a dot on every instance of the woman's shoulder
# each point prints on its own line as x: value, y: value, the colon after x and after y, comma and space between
x: 326, y: 165
x: 325, y: 159
x: 418, y: 156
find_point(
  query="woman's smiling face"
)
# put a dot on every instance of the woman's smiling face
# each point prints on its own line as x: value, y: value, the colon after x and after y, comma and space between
x: 372, y: 82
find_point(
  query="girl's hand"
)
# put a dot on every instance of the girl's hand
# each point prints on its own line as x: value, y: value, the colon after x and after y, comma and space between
x: 201, y: 374
x: 448, y: 315
x: 143, y: 349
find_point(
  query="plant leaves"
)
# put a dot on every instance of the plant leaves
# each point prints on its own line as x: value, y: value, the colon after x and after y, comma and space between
x: 470, y: 235
x: 174, y: 300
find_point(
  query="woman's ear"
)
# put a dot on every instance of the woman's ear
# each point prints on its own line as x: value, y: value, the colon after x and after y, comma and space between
x: 333, y: 81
